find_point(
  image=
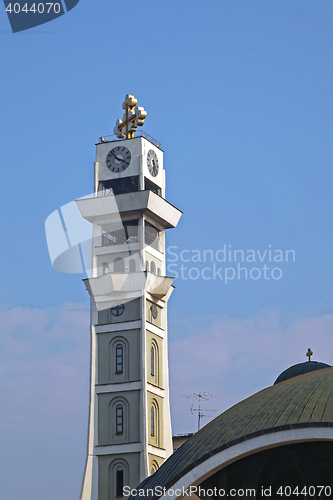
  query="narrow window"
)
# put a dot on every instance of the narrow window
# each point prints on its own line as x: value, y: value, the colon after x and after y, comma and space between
x: 119, y: 481
x: 152, y: 361
x: 158, y: 271
x: 152, y: 267
x: 105, y: 267
x: 147, y: 265
x: 119, y: 358
x: 152, y: 421
x: 132, y: 266
x: 119, y: 419
x: 154, y: 311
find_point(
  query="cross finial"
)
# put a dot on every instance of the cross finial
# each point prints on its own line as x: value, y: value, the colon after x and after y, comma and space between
x: 133, y: 117
x: 309, y: 354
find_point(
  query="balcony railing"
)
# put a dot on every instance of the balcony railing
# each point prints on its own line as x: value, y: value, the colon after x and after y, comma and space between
x: 138, y: 133
x: 111, y: 239
x: 105, y: 192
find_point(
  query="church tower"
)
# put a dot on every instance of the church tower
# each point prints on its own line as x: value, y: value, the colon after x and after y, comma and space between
x: 129, y: 433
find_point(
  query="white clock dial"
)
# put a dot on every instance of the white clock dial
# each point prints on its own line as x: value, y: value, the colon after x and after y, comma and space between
x: 152, y: 162
x: 118, y: 159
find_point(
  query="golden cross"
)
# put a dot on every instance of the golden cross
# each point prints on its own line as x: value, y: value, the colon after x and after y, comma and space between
x: 309, y: 353
x: 134, y: 117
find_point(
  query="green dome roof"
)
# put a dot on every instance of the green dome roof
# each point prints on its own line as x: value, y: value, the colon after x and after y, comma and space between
x: 303, y: 401
x: 299, y: 369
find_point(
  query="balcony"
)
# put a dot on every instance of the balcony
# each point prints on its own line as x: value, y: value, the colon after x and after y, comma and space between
x: 107, y: 209
x: 112, y: 287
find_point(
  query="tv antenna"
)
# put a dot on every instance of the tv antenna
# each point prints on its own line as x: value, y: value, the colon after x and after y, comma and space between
x: 197, y: 399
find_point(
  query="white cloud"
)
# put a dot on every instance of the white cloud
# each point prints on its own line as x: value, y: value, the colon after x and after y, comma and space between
x: 44, y: 367
x: 44, y: 391
x: 44, y: 362
x: 44, y: 382
x: 234, y: 358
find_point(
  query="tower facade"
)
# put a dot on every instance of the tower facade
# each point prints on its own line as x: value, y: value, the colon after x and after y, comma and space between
x: 129, y: 434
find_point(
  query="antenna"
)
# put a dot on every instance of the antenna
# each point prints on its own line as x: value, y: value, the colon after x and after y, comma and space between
x: 199, y: 397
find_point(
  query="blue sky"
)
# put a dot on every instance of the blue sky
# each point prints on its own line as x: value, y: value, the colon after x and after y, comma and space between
x: 239, y: 95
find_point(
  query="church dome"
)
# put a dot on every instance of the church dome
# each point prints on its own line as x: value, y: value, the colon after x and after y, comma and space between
x: 300, y: 369
x: 299, y: 410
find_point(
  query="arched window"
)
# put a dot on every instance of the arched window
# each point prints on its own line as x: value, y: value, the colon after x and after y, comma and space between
x: 147, y: 265
x: 158, y: 271
x: 154, y: 467
x: 119, y: 481
x: 152, y: 421
x: 152, y: 267
x: 105, y: 268
x: 152, y: 361
x: 132, y: 266
x: 117, y: 366
x: 119, y: 358
x: 118, y: 265
x: 118, y: 476
x: 119, y: 419
x: 154, y: 375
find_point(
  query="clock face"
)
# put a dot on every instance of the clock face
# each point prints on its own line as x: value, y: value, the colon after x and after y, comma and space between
x: 118, y: 159
x: 152, y: 162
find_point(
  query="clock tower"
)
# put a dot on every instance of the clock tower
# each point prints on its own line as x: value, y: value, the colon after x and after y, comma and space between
x: 129, y: 434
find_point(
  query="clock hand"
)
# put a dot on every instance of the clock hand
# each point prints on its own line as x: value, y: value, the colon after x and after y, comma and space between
x: 114, y: 155
x: 119, y: 159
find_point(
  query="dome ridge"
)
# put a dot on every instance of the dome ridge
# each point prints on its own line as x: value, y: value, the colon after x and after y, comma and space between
x: 300, y: 369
